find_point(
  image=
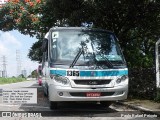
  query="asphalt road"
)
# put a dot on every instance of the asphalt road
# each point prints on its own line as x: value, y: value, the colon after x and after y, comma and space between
x: 69, y: 110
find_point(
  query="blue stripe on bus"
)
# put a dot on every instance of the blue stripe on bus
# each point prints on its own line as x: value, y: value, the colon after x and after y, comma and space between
x: 93, y: 73
x: 103, y: 73
x: 58, y: 72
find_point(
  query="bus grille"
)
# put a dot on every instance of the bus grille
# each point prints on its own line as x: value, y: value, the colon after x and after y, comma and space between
x: 92, y: 82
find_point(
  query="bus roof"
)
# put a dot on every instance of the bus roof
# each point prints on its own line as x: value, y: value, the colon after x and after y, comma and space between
x: 79, y: 29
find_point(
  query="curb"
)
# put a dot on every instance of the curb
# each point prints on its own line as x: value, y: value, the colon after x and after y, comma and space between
x: 140, y: 108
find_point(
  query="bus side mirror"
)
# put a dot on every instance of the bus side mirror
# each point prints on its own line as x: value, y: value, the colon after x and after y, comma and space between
x: 45, y: 45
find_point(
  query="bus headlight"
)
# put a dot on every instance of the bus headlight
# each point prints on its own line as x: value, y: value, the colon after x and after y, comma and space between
x: 121, y: 79
x: 118, y: 80
x: 61, y: 79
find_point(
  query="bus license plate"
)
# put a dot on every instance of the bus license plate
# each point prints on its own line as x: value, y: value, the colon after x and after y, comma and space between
x: 93, y: 94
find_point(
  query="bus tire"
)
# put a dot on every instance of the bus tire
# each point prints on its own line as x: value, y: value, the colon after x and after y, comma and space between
x: 53, y: 105
x: 105, y: 103
x: 45, y: 94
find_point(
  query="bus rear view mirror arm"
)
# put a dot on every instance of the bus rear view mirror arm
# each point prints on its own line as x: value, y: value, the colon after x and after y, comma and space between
x: 45, y: 45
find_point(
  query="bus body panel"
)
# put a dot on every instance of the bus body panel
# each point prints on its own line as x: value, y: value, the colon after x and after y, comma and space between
x: 84, y: 82
x: 114, y: 94
x: 77, y: 92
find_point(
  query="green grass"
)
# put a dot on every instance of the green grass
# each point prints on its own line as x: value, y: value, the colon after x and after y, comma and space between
x: 157, y: 99
x: 11, y: 80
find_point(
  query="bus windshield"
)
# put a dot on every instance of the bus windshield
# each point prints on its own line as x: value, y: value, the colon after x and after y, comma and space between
x: 95, y: 47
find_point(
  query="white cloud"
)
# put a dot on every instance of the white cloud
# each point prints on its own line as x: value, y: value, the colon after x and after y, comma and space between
x: 3, y: 49
x: 9, y: 40
x: 9, y: 43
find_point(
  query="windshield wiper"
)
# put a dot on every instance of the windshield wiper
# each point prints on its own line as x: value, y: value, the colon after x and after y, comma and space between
x: 109, y: 64
x: 81, y: 50
x: 76, y: 58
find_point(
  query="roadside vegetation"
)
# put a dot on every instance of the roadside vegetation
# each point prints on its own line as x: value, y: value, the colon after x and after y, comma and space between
x: 11, y: 80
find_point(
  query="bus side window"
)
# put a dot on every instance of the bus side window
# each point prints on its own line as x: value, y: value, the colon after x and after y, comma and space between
x: 46, y: 55
x: 43, y: 59
x: 45, y: 51
x: 40, y: 70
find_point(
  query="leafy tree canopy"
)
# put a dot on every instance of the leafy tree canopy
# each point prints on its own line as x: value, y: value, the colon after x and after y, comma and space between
x: 135, y: 22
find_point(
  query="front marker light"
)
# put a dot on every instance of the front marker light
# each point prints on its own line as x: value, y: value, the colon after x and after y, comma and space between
x: 61, y: 79
x: 123, y: 78
x: 118, y: 80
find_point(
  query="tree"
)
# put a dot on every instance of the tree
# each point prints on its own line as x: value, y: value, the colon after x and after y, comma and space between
x: 23, y: 16
x: 135, y: 22
x: 34, y: 74
x: 36, y: 52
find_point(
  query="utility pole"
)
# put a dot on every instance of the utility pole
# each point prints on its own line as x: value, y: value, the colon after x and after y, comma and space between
x: 24, y: 72
x: 0, y: 70
x: 4, y: 64
x: 157, y: 58
x: 18, y: 59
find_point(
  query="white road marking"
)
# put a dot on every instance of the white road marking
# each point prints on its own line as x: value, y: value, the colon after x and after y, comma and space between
x: 7, y: 105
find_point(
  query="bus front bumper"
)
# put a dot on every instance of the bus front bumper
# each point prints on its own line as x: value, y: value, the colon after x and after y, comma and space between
x: 59, y: 93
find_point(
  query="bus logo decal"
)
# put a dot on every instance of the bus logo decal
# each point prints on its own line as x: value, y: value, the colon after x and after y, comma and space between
x: 92, y: 73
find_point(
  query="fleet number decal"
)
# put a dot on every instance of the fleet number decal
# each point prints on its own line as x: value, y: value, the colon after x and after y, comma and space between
x: 72, y: 73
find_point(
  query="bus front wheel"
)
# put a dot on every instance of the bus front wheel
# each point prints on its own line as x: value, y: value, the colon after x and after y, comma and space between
x: 45, y: 92
x: 53, y: 105
x: 106, y: 103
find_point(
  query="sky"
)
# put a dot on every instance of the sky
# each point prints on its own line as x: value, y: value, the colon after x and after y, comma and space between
x: 10, y: 42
